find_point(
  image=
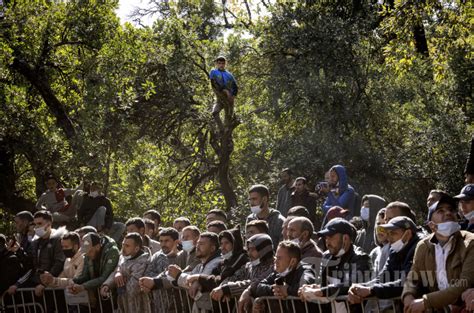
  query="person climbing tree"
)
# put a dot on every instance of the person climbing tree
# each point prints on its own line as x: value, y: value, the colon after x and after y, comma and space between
x: 225, y: 87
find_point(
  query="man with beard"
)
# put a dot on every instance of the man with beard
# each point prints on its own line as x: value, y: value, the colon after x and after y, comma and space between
x: 284, y: 193
x: 302, y: 197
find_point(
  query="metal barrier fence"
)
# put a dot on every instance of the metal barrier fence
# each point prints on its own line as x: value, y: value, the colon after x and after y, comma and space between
x: 57, y: 300
x: 176, y: 300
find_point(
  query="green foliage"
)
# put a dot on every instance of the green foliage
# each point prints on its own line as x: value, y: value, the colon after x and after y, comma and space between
x: 319, y: 84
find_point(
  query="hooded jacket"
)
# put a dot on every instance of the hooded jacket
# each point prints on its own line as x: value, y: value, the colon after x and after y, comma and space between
x: 230, y: 269
x: 275, y: 225
x: 345, y: 197
x: 376, y: 203
x: 253, y: 274
x: 95, y: 272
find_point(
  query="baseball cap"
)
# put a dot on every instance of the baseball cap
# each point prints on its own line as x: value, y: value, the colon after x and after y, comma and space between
x: 467, y: 193
x: 399, y: 222
x: 89, y: 240
x: 220, y: 58
x: 338, y: 226
x: 444, y: 199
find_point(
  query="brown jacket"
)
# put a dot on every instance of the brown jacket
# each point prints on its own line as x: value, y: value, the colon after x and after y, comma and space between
x: 421, y: 280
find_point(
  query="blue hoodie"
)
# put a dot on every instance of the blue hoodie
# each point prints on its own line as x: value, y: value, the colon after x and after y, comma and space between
x: 346, y: 197
x: 224, y: 80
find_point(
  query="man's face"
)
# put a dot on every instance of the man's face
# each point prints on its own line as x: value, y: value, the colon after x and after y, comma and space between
x: 294, y: 230
x: 211, y: 217
x: 391, y: 213
x: 334, y: 243
x: 444, y: 213
x: 213, y: 229
x: 381, y: 235
x: 467, y: 206
x: 51, y: 184
x: 333, y: 178
x: 366, y: 204
x: 300, y: 186
x: 226, y: 246
x: 150, y: 231
x: 189, y: 235
x: 132, y: 228
x: 41, y: 222
x: 67, y: 244
x: 93, y: 252
x: 129, y: 247
x: 21, y: 225
x: 285, y: 178
x: 432, y: 198
x: 220, y: 65
x: 394, y: 235
x: 255, y: 199
x: 204, y: 248
x: 168, y: 244
x: 178, y: 226
x: 252, y: 252
x: 283, y: 260
x: 251, y: 230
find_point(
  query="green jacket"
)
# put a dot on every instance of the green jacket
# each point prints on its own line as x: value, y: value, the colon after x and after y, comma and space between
x: 109, y: 257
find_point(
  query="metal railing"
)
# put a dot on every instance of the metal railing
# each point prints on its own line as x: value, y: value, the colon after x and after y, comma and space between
x: 55, y: 300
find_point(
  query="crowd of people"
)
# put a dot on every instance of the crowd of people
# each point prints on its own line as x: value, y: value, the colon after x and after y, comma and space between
x: 368, y: 252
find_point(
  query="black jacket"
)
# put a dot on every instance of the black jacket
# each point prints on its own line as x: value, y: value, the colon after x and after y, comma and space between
x: 90, y: 205
x: 389, y: 283
x: 303, y: 274
x: 10, y: 269
x: 355, y: 266
x: 48, y: 255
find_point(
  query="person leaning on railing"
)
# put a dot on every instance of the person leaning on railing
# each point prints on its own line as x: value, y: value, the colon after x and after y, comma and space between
x: 443, y: 265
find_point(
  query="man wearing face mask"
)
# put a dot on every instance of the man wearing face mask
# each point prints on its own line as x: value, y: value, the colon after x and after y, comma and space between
x: 288, y: 276
x: 466, y: 202
x: 47, y: 252
x: 259, y: 198
x: 403, y: 236
x: 342, y: 265
x: 260, y: 265
x: 445, y: 257
x: 300, y: 230
x: 73, y: 265
x: 371, y: 204
x: 232, y: 267
x: 96, y: 209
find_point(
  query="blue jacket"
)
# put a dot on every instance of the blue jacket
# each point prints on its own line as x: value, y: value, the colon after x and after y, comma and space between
x: 346, y: 197
x: 224, y: 80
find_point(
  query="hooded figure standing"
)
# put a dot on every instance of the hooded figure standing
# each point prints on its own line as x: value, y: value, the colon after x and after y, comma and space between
x: 339, y: 192
x: 371, y: 205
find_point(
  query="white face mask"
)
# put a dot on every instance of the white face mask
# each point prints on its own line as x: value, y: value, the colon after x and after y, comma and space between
x: 227, y: 256
x: 255, y: 262
x: 40, y: 231
x: 256, y: 209
x: 188, y: 245
x: 397, y: 245
x: 364, y: 213
x: 448, y: 228
x: 469, y: 215
x: 296, y: 240
x: 94, y: 194
x: 285, y: 272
